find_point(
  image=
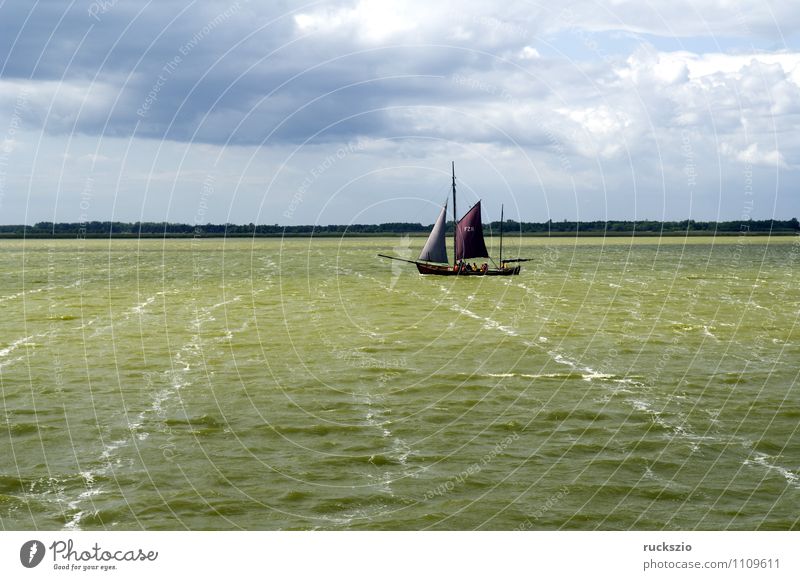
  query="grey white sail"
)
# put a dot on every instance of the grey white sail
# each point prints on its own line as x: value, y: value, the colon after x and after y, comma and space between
x: 435, y: 249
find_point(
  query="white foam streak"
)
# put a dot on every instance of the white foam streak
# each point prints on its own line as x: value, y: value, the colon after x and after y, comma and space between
x: 488, y: 323
x: 397, y: 449
x: 20, y: 294
x: 16, y: 344
x: 763, y: 460
x: 139, y: 308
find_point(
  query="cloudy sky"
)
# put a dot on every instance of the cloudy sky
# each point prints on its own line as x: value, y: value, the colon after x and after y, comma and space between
x: 351, y: 111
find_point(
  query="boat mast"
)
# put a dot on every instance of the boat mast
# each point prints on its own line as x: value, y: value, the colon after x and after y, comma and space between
x: 455, y: 218
x: 501, y: 235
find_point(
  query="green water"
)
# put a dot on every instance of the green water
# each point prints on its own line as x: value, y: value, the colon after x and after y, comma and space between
x: 307, y: 384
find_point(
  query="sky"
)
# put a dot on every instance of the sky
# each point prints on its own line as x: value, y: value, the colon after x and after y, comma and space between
x: 342, y: 112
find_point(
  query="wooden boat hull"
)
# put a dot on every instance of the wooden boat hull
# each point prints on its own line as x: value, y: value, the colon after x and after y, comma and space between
x: 434, y: 270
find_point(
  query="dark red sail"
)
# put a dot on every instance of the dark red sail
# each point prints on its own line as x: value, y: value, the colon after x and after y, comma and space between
x: 469, y: 241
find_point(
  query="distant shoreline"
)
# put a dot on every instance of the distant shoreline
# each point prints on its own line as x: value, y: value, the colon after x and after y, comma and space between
x: 548, y: 229
x: 561, y: 235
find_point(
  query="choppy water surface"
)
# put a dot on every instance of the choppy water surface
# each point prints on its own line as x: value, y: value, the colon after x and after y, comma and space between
x: 307, y: 384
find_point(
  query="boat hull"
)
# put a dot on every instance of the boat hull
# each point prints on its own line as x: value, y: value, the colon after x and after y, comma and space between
x: 434, y: 270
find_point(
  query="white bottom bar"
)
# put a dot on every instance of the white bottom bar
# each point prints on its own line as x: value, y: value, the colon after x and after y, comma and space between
x: 401, y: 555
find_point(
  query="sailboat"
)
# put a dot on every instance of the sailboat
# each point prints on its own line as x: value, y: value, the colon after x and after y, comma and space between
x: 468, y: 244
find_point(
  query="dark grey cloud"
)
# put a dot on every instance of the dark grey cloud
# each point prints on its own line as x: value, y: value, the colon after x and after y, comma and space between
x: 230, y: 71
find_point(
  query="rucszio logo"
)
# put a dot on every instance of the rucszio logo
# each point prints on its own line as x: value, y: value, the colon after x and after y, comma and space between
x: 31, y: 553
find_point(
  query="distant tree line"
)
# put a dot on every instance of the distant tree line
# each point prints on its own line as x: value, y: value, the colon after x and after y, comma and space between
x: 97, y: 229
x: 166, y: 229
x: 600, y: 227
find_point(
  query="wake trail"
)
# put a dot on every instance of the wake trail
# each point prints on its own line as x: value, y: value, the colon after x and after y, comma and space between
x: 637, y: 403
x: 183, y: 362
x: 375, y: 413
x: 635, y: 392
